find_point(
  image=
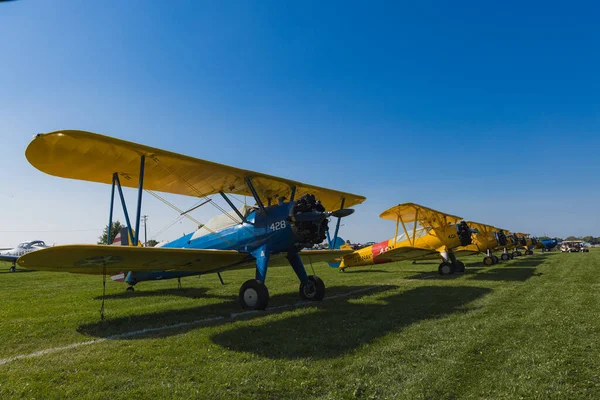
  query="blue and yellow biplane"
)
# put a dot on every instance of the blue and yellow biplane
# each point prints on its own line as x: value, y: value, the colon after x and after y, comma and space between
x: 289, y: 216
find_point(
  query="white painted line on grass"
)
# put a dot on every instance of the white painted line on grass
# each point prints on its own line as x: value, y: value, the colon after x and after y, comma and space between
x: 125, y: 335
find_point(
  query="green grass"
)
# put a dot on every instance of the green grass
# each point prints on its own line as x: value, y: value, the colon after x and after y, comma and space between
x: 528, y: 328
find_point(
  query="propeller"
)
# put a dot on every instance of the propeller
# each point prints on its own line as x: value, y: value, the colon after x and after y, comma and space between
x: 318, y: 215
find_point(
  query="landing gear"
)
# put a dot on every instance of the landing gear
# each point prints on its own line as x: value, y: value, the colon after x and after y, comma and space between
x: 515, y: 254
x: 459, y: 266
x: 505, y: 256
x: 313, y: 289
x: 12, y: 269
x: 487, y: 261
x: 446, y: 268
x: 130, y: 289
x: 519, y: 254
x: 254, y: 295
x: 528, y: 252
x: 496, y: 259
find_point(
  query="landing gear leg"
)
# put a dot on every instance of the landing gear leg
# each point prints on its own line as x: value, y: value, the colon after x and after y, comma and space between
x: 459, y: 266
x: 311, y: 287
x: 254, y: 295
x: 220, y: 278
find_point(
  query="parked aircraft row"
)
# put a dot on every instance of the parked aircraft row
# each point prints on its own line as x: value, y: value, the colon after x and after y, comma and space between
x: 289, y: 217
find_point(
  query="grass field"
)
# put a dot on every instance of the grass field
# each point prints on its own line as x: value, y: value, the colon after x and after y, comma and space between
x: 528, y: 328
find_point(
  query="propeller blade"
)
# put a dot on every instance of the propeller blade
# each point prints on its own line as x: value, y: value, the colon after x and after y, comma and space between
x: 342, y: 212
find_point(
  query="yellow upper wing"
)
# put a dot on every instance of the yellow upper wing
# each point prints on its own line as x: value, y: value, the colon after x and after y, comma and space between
x: 425, y: 216
x: 97, y: 259
x: 482, y: 228
x: 92, y: 157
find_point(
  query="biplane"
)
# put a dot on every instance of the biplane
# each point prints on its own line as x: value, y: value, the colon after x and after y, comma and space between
x: 427, y: 234
x: 289, y: 216
x: 526, y: 242
x: 486, y: 240
x: 510, y: 250
x: 548, y: 244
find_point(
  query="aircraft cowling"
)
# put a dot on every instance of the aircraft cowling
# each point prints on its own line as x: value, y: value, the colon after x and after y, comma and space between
x: 308, y: 221
x: 501, y: 238
x: 464, y: 233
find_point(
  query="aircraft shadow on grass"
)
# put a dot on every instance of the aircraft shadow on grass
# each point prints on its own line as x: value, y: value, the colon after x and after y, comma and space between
x: 116, y: 326
x: 517, y: 270
x: 19, y: 271
x: 192, y: 293
x: 336, y: 329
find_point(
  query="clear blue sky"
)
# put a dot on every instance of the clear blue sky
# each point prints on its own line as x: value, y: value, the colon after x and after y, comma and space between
x: 490, y: 112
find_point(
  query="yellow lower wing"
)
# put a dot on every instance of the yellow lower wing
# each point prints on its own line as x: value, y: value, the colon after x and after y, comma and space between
x: 406, y: 253
x: 97, y: 259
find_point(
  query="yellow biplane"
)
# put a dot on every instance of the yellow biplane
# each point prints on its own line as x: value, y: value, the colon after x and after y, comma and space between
x: 509, y: 250
x: 526, y: 242
x: 288, y: 217
x: 485, y: 241
x: 427, y: 234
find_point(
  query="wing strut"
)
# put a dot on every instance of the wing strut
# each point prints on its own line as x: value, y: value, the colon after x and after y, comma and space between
x: 233, y: 207
x: 117, y: 182
x: 337, y: 226
x: 255, y: 195
x: 415, y: 226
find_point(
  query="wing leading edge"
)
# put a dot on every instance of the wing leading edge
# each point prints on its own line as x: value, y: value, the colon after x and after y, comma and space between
x: 92, y: 157
x: 99, y: 259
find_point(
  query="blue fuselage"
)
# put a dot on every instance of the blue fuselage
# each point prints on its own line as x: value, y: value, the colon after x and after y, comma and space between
x: 271, y: 231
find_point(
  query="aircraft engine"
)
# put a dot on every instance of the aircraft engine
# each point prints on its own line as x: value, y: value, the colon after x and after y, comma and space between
x: 309, y: 220
x: 464, y: 233
x: 501, y: 238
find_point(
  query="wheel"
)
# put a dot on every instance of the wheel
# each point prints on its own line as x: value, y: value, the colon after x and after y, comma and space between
x: 254, y: 295
x: 496, y: 259
x: 446, y: 268
x: 313, y: 289
x: 511, y: 256
x: 459, y: 266
x: 130, y: 289
x: 505, y: 257
x: 515, y: 254
x: 487, y: 261
x: 12, y: 269
x: 519, y: 254
x: 529, y: 252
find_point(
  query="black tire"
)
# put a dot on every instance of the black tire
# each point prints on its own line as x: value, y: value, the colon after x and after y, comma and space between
x: 12, y: 269
x: 253, y: 295
x: 496, y: 259
x: 511, y: 256
x: 487, y: 261
x: 459, y: 266
x: 446, y: 268
x: 515, y: 254
x: 505, y: 257
x: 313, y: 289
x: 130, y: 289
x: 519, y: 254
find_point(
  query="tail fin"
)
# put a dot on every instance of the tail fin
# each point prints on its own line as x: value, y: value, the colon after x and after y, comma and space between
x: 342, y: 245
x: 124, y: 238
